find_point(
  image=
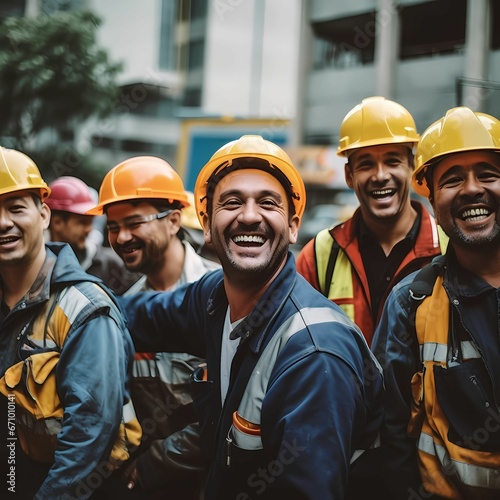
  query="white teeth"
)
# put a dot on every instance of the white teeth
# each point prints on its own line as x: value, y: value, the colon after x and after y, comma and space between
x: 249, y: 239
x: 475, y: 213
x: 7, y: 240
x: 382, y: 192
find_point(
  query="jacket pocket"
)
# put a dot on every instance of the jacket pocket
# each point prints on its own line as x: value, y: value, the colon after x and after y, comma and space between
x: 466, y: 398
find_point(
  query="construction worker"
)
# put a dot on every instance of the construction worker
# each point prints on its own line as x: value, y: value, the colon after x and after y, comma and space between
x: 356, y: 263
x: 66, y: 354
x: 442, y: 365
x: 143, y: 199
x: 290, y: 395
x: 69, y: 199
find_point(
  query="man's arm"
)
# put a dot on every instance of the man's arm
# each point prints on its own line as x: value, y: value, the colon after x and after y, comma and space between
x: 166, y: 321
x: 91, y: 376
x: 394, y: 345
x: 176, y: 457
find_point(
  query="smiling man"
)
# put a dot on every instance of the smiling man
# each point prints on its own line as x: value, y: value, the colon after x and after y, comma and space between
x: 69, y: 199
x: 442, y: 366
x: 66, y: 355
x: 291, y: 394
x: 143, y: 198
x: 356, y: 263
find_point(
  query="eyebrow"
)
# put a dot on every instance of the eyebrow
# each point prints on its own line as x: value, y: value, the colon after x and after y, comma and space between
x: 260, y: 194
x: 129, y: 217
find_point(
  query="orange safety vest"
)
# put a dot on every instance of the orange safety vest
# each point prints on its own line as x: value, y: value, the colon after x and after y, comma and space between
x: 446, y: 469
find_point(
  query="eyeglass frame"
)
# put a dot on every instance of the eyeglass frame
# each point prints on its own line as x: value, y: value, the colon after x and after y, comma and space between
x: 137, y: 221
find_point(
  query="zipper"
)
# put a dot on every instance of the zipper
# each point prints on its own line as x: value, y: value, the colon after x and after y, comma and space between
x: 475, y: 383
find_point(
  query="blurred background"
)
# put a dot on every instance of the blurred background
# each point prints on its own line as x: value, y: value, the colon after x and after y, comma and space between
x: 88, y: 83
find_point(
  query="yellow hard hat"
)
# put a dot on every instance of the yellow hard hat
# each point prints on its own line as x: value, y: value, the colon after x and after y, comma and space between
x: 461, y: 129
x: 250, y: 146
x: 188, y: 214
x: 376, y: 121
x: 140, y: 177
x: 18, y: 172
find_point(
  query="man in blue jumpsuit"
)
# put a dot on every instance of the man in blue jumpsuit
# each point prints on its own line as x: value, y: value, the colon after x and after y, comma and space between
x: 291, y: 394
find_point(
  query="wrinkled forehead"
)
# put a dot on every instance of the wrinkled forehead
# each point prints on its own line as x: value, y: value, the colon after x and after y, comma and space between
x: 479, y: 160
x: 21, y: 196
x: 249, y: 181
x: 380, y: 150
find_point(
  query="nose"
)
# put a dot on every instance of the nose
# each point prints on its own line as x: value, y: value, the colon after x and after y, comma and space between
x: 381, y: 172
x: 87, y: 228
x: 5, y: 220
x: 472, y: 185
x: 250, y: 212
x: 123, y: 235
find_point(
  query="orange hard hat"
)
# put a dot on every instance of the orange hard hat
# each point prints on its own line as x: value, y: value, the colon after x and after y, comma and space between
x: 140, y: 177
x: 250, y: 146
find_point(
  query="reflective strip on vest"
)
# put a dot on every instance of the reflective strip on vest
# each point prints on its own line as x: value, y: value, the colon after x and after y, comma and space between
x: 469, y: 474
x: 128, y: 412
x: 251, y: 403
x: 432, y: 351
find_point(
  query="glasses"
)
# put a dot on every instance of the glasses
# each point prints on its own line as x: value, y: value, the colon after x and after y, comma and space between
x: 137, y: 221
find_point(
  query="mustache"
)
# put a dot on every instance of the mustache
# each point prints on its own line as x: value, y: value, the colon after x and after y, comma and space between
x: 472, y: 200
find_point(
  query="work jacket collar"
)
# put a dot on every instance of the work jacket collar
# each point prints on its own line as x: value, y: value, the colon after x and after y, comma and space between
x: 255, y: 327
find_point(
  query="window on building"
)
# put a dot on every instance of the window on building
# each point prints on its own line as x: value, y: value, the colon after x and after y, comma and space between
x: 168, y: 53
x: 495, y: 22
x: 196, y: 54
x: 51, y: 6
x: 192, y: 98
x: 104, y: 142
x: 199, y: 9
x: 436, y: 27
x: 346, y: 42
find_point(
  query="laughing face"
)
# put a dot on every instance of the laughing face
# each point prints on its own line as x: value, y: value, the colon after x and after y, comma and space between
x: 381, y: 178
x: 22, y: 223
x: 466, y: 197
x: 140, y: 242
x: 250, y: 225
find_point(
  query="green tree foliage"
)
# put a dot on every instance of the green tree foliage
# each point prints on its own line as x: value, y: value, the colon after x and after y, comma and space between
x: 53, y: 76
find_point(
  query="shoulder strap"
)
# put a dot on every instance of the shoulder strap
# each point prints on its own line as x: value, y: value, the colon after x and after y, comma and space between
x: 443, y: 239
x: 324, y: 242
x: 329, y: 269
x: 420, y: 288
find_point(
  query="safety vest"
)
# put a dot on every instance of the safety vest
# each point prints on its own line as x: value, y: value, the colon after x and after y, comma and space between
x: 335, y: 268
x: 443, y: 463
x: 32, y: 381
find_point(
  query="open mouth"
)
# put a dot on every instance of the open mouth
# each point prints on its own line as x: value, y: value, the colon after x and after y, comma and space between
x: 475, y: 214
x: 129, y: 249
x: 383, y: 193
x: 249, y: 240
x: 7, y: 240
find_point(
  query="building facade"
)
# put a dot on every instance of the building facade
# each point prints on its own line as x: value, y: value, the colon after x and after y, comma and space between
x: 427, y: 55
